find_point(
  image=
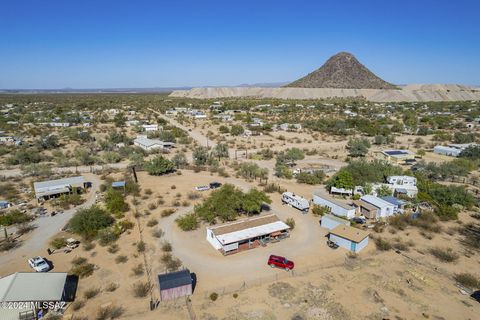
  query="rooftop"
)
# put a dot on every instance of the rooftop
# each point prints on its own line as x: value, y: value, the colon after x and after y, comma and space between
x: 319, y: 193
x: 349, y: 233
x: 174, y: 279
x: 33, y: 286
x: 376, y: 201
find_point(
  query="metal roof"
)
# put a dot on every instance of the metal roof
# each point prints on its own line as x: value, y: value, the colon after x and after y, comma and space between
x: 349, y: 233
x: 57, y: 186
x: 249, y: 233
x: 174, y: 279
x: 332, y: 200
x: 377, y: 202
x: 32, y: 286
x: 394, y: 200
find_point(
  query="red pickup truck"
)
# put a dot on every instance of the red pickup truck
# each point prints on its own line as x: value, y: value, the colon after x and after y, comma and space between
x: 280, y: 262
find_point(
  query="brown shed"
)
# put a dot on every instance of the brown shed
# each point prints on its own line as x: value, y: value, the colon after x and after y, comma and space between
x: 175, y: 285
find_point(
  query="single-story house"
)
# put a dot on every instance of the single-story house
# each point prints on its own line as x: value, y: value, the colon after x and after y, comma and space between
x: 31, y: 287
x: 152, y: 144
x: 336, y: 207
x: 5, y: 204
x: 53, y: 188
x: 246, y: 234
x: 175, y: 285
x: 453, y: 149
x: 385, y: 209
x: 397, y: 156
x: 365, y: 209
x: 350, y: 238
x: 341, y: 191
x: 399, y: 204
x: 406, y: 185
x: 329, y: 221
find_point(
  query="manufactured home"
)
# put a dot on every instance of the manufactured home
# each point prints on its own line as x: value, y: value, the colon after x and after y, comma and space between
x: 350, y: 238
x: 336, y: 207
x: 385, y: 209
x: 295, y: 201
x: 54, y: 188
x: 246, y: 234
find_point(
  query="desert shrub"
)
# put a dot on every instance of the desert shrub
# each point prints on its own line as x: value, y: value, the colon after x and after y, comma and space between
x: 467, y: 280
x: 87, y: 222
x: 110, y: 312
x: 152, y: 206
x: 194, y: 195
x: 235, y: 295
x: 88, y: 245
x: 141, y: 289
x: 291, y: 223
x: 319, y: 210
x: 91, y: 293
x: 25, y: 228
x: 113, y: 248
x: 471, y: 235
x: 8, y: 245
x: 382, y: 244
x: 166, y: 258
x: 13, y: 217
x: 106, y: 236
x: 121, y: 259
x: 138, y: 270
x: 148, y: 191
x: 167, y: 212
x: 58, y: 243
x: 272, y: 188
x: 213, y: 296
x: 316, y: 177
x: 444, y: 255
x: 77, y: 305
x: 187, y: 222
x: 111, y: 287
x: 157, y: 233
x: 141, y: 246
x: 167, y: 246
x: 126, y: 224
x: 152, y: 223
x: 185, y: 203
x: 83, y: 270
x: 173, y: 265
x: 173, y: 187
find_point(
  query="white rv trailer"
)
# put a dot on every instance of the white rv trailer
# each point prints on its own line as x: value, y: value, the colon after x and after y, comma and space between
x: 296, y: 201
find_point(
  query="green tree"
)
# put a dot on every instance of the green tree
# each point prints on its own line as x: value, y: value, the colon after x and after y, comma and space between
x: 223, y: 129
x: 358, y: 147
x: 384, y: 191
x: 253, y: 200
x: 220, y: 151
x: 342, y: 179
x: 49, y: 142
x: 236, y: 130
x: 200, y: 156
x: 119, y: 119
x: 316, y: 177
x: 180, y: 160
x: 159, y: 165
x: 87, y: 222
x: 115, y: 202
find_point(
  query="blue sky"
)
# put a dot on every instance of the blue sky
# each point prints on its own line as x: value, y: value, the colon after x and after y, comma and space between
x: 116, y: 43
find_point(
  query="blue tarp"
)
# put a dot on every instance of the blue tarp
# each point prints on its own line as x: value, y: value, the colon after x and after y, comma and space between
x: 118, y: 184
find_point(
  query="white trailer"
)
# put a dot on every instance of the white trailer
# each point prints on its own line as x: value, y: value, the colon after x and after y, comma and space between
x: 336, y: 207
x: 296, y: 201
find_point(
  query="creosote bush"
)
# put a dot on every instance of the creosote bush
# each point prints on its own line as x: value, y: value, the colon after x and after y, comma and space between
x: 444, y: 254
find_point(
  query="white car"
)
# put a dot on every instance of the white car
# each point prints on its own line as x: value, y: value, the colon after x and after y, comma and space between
x: 39, y: 264
x: 202, y: 188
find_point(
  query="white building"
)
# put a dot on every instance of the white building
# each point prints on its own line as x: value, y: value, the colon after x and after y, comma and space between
x: 245, y: 234
x: 150, y: 127
x: 59, y: 124
x: 336, y: 207
x: 152, y: 144
x: 350, y: 238
x: 403, y: 185
x: 52, y: 188
x: 385, y: 209
x: 131, y: 123
x: 452, y: 150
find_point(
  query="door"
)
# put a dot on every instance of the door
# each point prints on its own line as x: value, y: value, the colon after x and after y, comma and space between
x: 353, y: 246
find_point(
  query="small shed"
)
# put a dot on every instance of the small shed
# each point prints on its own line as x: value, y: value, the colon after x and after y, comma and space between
x: 118, y: 184
x: 350, y: 238
x: 175, y: 285
x: 329, y: 221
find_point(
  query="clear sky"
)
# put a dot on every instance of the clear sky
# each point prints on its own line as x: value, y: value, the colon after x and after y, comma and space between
x: 47, y: 44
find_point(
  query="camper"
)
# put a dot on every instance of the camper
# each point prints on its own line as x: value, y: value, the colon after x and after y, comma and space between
x: 295, y: 201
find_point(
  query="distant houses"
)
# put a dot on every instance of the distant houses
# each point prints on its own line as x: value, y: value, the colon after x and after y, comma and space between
x: 398, y: 156
x: 152, y: 144
x: 452, y: 150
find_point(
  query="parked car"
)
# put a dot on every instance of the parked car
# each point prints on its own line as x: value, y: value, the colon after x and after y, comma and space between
x: 72, y: 243
x: 359, y: 220
x: 202, y: 188
x: 280, y: 262
x: 215, y: 185
x: 476, y: 295
x: 39, y: 264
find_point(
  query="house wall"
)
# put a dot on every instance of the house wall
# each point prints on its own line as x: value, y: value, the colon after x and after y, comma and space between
x: 213, y: 240
x: 175, y: 293
x: 336, y: 209
x: 344, y: 243
x: 361, y: 245
x: 347, y: 244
